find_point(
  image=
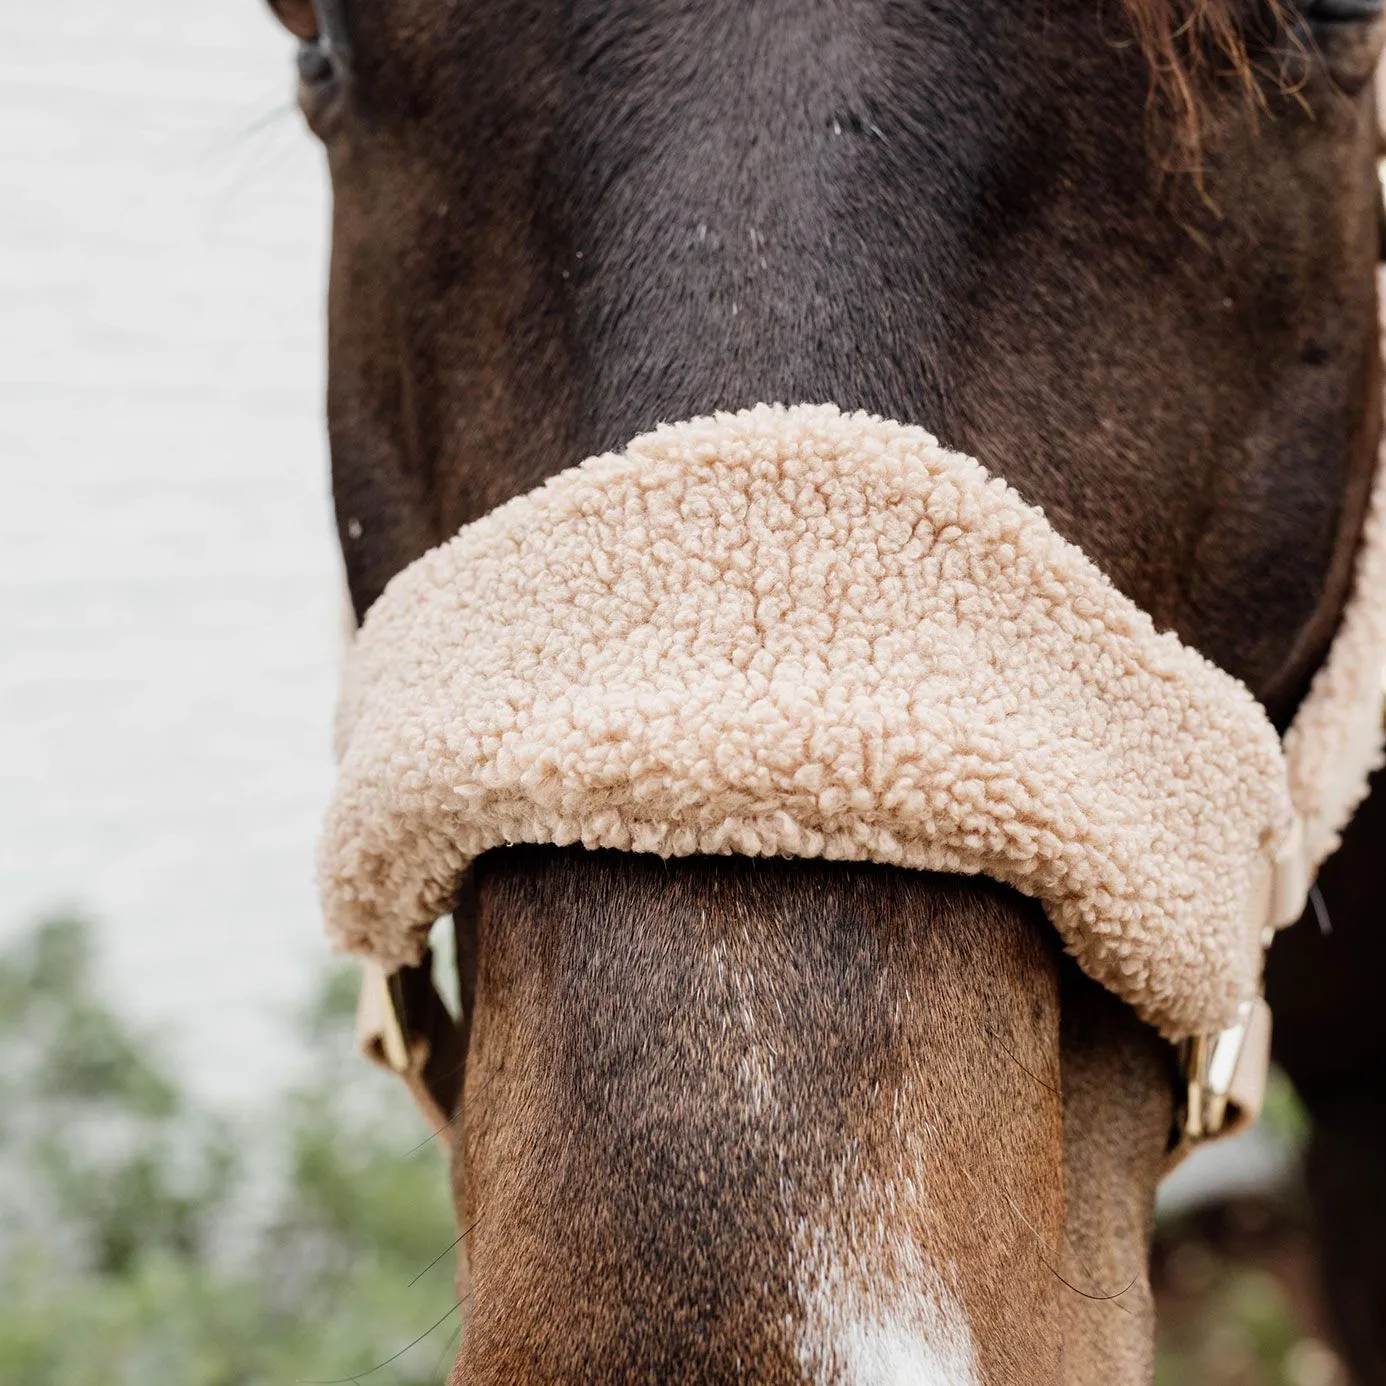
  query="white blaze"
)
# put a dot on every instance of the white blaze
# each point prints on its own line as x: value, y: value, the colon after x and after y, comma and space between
x: 875, y: 1313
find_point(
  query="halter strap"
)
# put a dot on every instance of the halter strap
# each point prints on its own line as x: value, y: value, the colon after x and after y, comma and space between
x: 404, y: 1025
x: 1333, y: 743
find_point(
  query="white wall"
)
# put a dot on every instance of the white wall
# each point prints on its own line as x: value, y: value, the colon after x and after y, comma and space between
x: 168, y: 584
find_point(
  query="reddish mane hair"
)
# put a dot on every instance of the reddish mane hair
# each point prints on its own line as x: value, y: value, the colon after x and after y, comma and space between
x: 1188, y: 43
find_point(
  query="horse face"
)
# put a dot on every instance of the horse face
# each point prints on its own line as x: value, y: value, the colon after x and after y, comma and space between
x: 558, y: 224
x: 807, y: 1121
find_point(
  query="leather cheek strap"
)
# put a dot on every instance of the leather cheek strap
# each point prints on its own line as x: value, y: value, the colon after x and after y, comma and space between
x: 405, y: 1026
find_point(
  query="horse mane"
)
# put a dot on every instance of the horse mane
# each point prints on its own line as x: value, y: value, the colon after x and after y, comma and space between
x: 1191, y: 43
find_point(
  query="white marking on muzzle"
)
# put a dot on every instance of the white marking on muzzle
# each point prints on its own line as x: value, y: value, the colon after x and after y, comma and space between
x: 880, y: 1317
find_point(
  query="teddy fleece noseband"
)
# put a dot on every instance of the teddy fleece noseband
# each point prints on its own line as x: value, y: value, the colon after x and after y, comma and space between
x: 800, y: 632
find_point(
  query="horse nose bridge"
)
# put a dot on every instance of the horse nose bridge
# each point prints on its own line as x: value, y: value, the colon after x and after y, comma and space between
x: 749, y: 1119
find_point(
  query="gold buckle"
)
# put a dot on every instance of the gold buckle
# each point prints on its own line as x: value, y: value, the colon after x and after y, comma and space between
x: 1225, y: 1075
x: 1225, y: 1072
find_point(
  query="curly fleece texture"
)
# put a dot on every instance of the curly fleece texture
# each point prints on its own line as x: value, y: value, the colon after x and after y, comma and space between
x: 800, y: 632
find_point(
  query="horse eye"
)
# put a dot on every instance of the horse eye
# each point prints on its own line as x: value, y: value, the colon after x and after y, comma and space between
x: 321, y: 85
x: 315, y: 65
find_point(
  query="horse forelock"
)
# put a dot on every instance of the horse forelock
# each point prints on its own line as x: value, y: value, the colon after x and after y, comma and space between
x: 1186, y: 39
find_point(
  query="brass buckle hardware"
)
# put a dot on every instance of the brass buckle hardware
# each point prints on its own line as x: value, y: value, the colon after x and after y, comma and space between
x: 1226, y: 1075
x: 1225, y: 1072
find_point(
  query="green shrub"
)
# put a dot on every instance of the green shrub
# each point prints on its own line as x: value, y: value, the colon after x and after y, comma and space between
x: 145, y: 1240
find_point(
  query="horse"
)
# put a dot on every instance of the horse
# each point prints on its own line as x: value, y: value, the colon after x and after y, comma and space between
x: 780, y: 1120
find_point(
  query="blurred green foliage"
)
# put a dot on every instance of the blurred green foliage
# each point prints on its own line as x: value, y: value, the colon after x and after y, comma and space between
x: 1244, y: 1327
x: 145, y: 1240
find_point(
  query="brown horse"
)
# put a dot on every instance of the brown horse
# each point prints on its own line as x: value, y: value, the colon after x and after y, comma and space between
x: 791, y: 1121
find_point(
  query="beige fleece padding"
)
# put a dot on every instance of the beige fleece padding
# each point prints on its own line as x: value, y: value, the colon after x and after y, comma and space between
x: 1335, y: 741
x: 800, y: 632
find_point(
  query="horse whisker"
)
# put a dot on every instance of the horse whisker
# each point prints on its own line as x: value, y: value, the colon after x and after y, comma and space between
x: 456, y: 1241
x: 380, y: 1366
x: 1063, y: 1234
x: 1005, y: 1049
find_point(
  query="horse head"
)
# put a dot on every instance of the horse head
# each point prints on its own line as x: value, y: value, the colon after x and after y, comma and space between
x: 784, y: 1120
